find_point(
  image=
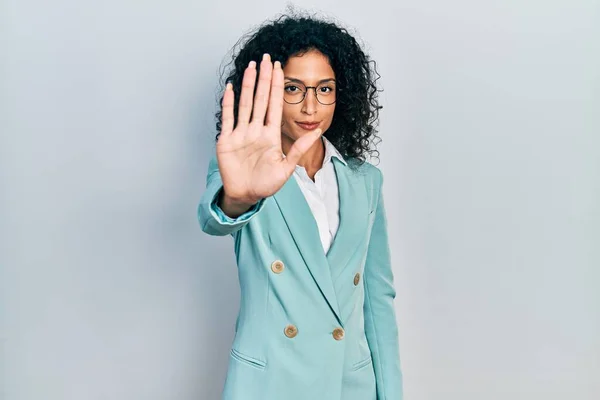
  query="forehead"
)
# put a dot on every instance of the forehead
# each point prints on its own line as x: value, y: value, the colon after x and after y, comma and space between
x: 310, y: 67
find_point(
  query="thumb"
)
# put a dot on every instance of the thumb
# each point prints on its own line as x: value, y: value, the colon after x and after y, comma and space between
x: 300, y: 147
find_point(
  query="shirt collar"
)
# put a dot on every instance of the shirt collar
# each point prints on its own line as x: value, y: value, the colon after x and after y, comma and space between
x: 331, y: 151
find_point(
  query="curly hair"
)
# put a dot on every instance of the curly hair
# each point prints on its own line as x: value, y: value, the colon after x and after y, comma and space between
x: 353, y: 129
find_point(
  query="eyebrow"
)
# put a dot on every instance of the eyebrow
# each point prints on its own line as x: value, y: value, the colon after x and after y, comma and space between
x: 299, y: 81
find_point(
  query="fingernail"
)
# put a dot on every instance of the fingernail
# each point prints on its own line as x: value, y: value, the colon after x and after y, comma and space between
x: 266, y: 57
x: 229, y: 86
x: 252, y: 64
x: 277, y: 64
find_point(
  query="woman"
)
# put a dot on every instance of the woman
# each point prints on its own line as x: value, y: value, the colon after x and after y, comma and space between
x: 316, y: 319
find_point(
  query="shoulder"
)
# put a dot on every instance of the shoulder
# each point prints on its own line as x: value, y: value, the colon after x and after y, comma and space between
x: 372, y: 173
x: 372, y: 177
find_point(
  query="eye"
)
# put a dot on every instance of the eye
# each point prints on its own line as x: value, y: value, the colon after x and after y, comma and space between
x: 292, y: 88
x: 326, y: 89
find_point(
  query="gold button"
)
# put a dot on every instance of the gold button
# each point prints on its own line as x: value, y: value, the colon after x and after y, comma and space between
x: 290, y: 331
x: 356, y: 278
x: 338, y: 333
x: 277, y: 266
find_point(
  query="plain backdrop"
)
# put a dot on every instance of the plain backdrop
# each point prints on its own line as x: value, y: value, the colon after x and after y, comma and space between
x: 491, y: 158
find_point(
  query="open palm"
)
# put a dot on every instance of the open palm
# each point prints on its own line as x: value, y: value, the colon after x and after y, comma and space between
x: 250, y: 157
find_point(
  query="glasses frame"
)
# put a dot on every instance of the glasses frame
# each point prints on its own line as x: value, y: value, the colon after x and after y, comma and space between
x: 314, y: 88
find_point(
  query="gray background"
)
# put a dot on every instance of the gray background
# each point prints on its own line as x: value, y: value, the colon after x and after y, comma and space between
x: 491, y: 159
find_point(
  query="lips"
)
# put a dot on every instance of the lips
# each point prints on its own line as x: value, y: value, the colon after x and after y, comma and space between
x: 308, y: 126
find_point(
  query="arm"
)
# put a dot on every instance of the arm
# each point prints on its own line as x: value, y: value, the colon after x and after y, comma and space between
x: 250, y: 166
x: 380, y: 317
x: 212, y: 218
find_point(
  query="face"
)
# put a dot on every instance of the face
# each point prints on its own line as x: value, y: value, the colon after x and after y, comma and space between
x: 310, y: 69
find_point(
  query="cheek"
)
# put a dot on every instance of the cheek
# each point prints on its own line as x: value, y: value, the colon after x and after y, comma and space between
x: 288, y: 116
x: 330, y: 115
x: 332, y: 112
x: 286, y: 120
x: 288, y: 112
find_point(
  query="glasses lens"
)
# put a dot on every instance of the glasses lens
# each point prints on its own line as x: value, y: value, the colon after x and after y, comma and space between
x: 326, y: 94
x: 294, y: 93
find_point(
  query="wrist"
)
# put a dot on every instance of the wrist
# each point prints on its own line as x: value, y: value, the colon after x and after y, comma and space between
x: 234, y: 207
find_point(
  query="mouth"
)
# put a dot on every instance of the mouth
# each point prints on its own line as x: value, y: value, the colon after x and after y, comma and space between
x: 308, y: 126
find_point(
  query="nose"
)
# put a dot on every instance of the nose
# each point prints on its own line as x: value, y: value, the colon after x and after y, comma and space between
x: 310, y: 103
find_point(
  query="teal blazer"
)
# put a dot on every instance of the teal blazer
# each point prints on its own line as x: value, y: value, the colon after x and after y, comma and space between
x: 311, y: 326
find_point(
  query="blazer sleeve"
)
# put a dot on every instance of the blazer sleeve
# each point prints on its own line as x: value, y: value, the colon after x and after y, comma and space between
x: 212, y: 219
x: 380, y: 316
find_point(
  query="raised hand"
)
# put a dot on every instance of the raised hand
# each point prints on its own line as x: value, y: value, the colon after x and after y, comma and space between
x: 250, y: 158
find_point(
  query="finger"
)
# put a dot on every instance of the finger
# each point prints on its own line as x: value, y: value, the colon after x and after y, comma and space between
x: 245, y: 108
x: 275, y: 109
x: 300, y: 147
x: 227, y: 113
x: 261, y: 99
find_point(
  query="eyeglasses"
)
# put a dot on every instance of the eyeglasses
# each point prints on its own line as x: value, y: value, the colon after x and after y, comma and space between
x: 295, y: 92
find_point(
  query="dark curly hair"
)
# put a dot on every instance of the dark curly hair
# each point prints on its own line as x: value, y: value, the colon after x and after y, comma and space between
x: 353, y: 128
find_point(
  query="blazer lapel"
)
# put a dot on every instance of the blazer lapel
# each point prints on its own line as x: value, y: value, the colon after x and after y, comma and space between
x: 303, y: 228
x: 353, y: 217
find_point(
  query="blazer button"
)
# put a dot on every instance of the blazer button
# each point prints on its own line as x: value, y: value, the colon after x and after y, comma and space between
x: 277, y: 266
x: 290, y: 331
x: 338, y: 333
x: 356, y: 278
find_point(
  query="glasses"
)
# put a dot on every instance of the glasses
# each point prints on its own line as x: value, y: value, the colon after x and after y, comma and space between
x: 295, y: 93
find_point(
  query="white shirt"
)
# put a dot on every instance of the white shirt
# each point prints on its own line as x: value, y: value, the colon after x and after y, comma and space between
x: 322, y: 194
